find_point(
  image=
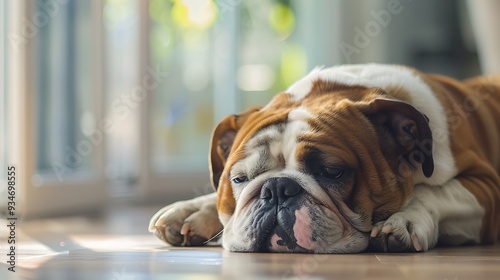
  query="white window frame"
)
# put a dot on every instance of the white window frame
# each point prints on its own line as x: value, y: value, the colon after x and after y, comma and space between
x: 50, y: 196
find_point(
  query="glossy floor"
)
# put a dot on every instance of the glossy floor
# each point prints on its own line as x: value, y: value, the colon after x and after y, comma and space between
x: 118, y: 246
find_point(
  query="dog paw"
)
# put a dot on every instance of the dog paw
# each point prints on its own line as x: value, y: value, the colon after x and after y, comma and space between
x: 404, y: 232
x: 187, y: 223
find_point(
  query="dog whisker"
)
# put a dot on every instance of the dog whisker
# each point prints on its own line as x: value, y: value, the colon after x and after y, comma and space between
x: 214, y: 237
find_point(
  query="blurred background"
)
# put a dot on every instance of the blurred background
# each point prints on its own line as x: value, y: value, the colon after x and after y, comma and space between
x: 115, y: 100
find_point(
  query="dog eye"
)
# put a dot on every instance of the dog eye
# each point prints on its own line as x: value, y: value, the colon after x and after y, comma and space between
x: 331, y: 172
x: 239, y: 180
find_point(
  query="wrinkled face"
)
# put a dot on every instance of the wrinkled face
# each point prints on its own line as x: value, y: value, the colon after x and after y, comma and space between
x: 311, y: 176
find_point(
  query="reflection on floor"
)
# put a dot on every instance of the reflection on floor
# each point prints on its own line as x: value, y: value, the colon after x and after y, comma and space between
x: 119, y: 247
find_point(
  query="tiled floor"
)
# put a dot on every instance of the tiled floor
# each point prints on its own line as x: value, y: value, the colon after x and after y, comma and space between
x: 119, y: 247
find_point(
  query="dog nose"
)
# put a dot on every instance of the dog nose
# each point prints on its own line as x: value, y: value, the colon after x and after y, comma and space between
x: 278, y: 190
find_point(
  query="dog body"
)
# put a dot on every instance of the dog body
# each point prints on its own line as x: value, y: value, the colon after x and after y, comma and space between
x: 350, y: 157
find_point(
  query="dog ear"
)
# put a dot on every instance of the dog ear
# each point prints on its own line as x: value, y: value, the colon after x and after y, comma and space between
x: 409, y: 127
x: 222, y: 141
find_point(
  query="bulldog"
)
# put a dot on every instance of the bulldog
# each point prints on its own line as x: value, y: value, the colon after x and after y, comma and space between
x: 350, y: 158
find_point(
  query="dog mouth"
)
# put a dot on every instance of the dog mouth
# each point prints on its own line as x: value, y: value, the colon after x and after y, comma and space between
x: 280, y: 241
x: 281, y: 228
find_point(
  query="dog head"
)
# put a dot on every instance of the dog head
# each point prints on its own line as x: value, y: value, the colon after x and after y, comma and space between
x: 313, y: 174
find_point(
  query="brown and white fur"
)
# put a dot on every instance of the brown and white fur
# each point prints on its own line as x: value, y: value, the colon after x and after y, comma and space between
x: 352, y: 157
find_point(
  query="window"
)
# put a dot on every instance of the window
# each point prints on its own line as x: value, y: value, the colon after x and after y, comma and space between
x: 55, y: 91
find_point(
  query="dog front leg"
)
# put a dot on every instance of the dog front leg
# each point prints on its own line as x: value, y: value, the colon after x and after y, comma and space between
x: 187, y: 223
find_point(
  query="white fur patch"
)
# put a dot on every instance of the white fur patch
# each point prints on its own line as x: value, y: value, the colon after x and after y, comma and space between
x: 461, y: 214
x: 276, y: 142
x: 386, y: 77
x: 297, y: 124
